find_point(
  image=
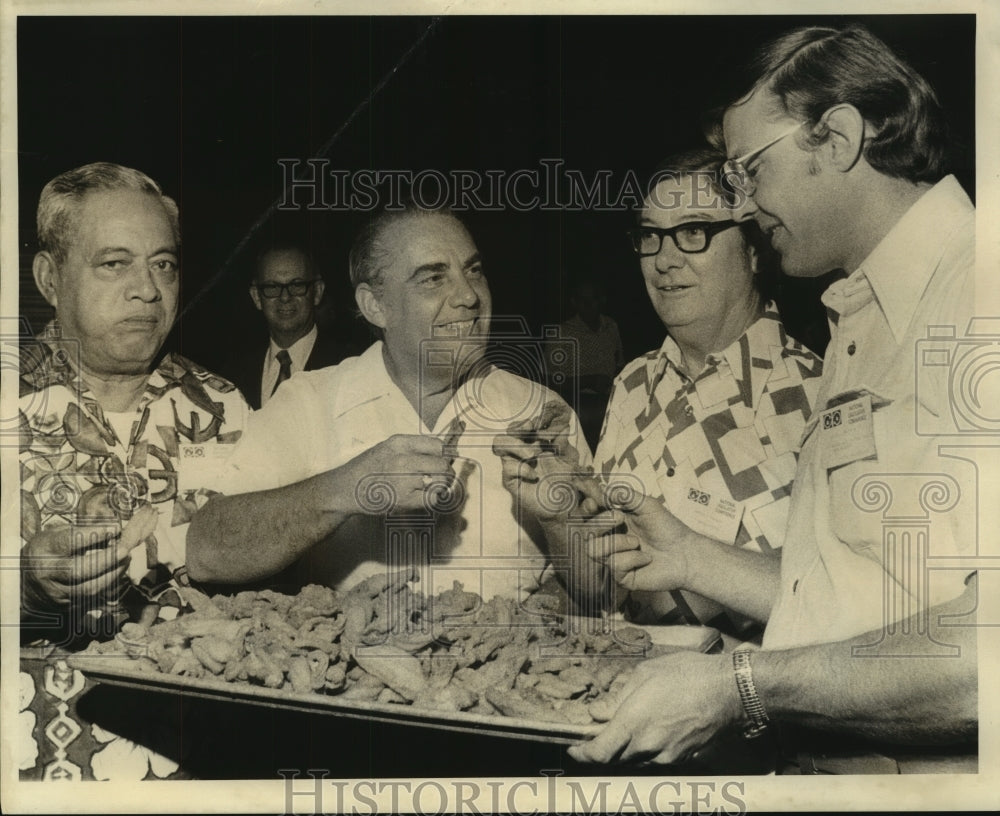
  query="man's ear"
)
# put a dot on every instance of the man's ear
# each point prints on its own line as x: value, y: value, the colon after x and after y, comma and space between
x: 46, y: 277
x: 255, y: 297
x: 318, y: 289
x: 369, y: 304
x: 847, y: 136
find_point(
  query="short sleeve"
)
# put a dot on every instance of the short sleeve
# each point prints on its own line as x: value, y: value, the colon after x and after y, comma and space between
x: 279, y: 443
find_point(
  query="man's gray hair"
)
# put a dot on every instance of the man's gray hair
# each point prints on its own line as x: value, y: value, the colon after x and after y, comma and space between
x: 367, y: 257
x: 61, y: 197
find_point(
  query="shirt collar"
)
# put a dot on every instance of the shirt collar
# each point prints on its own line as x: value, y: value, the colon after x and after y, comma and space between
x: 759, y: 341
x: 898, y: 270
x: 377, y: 383
x: 299, y: 350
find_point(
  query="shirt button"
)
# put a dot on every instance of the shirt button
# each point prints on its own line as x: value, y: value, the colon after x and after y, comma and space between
x: 852, y: 348
x: 670, y: 471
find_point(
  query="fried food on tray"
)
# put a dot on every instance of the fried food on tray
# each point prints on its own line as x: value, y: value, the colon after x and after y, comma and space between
x: 384, y: 642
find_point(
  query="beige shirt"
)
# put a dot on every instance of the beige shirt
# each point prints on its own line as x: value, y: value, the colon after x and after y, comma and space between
x: 875, y: 540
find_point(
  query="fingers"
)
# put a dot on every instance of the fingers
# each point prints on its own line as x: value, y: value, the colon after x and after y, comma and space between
x: 453, y: 432
x: 552, y: 411
x: 605, y: 522
x: 551, y: 422
x: 592, y: 490
x: 508, y: 445
x: 89, y: 593
x: 79, y: 584
x: 603, y: 546
x: 607, y: 746
x: 515, y: 472
x: 413, y: 444
x: 68, y: 540
x: 96, y: 564
x: 624, y: 566
x: 432, y: 465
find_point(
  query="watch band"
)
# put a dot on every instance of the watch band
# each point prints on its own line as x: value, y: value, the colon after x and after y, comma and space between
x: 752, y: 706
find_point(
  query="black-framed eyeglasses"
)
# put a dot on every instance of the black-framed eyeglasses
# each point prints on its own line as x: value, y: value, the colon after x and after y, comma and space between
x: 691, y: 237
x: 295, y: 288
x: 737, y: 172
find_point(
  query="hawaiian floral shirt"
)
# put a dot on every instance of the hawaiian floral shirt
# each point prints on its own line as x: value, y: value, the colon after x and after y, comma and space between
x: 83, y: 467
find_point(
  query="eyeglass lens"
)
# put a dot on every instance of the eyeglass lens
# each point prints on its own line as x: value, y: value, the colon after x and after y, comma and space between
x: 294, y: 288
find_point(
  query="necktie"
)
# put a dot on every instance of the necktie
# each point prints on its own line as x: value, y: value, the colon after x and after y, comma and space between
x: 286, y: 368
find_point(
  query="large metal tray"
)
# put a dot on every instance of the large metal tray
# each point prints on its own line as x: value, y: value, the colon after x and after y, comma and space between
x: 120, y: 671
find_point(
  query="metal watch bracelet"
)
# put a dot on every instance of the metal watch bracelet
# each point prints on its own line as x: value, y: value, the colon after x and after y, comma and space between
x: 752, y: 706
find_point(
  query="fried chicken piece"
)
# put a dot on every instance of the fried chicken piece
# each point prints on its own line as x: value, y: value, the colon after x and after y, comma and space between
x: 299, y: 675
x: 319, y: 633
x: 550, y: 686
x: 515, y: 704
x: 398, y: 669
x: 313, y: 601
x: 366, y: 688
x: 335, y: 677
x: 575, y: 712
x: 454, y: 602
x: 214, y: 652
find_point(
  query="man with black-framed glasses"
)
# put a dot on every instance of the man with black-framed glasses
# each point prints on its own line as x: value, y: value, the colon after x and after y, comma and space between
x: 287, y: 290
x: 708, y: 424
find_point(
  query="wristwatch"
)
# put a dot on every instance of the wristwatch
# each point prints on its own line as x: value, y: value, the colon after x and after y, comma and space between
x: 752, y: 706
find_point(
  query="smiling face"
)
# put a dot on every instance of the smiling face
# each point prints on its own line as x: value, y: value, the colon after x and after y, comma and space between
x: 288, y: 316
x: 701, y: 295
x: 797, y: 205
x: 116, y: 291
x: 432, y: 286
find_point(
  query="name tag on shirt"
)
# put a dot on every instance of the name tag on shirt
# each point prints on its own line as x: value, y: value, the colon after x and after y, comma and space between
x: 708, y: 512
x: 199, y: 464
x: 847, y: 433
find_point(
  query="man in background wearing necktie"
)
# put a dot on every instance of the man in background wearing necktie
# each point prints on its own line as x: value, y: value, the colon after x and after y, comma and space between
x: 287, y: 290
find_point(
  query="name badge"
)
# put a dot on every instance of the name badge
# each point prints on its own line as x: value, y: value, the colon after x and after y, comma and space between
x: 708, y: 512
x: 199, y: 464
x: 847, y: 433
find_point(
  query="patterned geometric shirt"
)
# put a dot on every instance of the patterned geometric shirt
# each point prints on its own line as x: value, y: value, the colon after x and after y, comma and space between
x: 84, y: 467
x: 718, y: 450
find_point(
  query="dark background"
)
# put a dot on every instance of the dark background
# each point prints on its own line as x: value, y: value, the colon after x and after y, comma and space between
x: 207, y: 105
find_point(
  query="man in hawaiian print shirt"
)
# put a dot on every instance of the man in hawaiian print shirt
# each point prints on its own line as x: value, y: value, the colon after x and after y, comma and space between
x: 117, y: 450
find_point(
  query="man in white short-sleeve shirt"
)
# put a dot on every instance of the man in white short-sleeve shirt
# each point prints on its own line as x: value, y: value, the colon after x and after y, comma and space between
x: 386, y: 460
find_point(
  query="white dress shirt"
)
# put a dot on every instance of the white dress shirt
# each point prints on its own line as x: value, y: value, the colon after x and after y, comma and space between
x: 299, y: 351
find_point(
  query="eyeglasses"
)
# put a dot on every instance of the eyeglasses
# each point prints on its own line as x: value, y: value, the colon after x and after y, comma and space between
x: 295, y: 288
x: 735, y: 172
x: 692, y: 237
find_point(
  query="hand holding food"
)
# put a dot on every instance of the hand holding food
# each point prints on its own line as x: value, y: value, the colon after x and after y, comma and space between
x: 67, y: 566
x: 404, y: 472
x: 688, y: 715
